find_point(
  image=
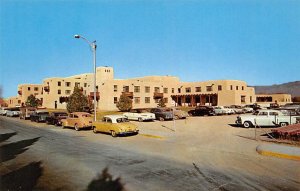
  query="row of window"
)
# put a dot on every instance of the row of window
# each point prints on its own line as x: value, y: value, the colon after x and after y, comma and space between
x: 34, y: 89
x: 137, y: 100
x: 68, y: 84
x: 137, y: 89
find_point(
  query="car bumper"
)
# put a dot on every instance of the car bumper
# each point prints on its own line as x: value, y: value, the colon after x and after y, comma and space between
x: 128, y: 132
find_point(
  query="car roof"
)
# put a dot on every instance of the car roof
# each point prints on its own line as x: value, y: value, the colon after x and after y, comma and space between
x: 80, y: 113
x: 115, y: 116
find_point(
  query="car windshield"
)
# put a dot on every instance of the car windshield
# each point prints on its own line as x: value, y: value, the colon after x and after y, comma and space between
x: 122, y: 120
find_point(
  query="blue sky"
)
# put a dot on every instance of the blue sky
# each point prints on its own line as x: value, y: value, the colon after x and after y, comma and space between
x: 256, y: 41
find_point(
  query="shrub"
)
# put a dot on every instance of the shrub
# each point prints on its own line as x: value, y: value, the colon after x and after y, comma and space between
x: 124, y: 103
x: 77, y: 101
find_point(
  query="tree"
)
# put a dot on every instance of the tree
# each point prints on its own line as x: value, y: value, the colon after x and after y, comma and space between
x: 32, y: 101
x: 124, y: 103
x: 77, y: 101
x: 161, y: 103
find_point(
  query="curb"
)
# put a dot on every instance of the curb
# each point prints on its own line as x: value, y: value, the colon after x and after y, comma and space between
x: 280, y: 151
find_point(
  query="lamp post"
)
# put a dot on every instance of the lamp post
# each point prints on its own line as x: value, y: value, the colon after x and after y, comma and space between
x: 94, y: 47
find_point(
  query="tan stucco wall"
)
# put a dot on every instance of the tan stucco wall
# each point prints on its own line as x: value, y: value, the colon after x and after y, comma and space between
x: 281, y: 99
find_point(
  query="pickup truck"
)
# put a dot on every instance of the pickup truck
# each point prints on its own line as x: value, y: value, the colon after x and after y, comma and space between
x: 266, y: 118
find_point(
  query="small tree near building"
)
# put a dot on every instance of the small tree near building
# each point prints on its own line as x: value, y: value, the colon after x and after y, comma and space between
x: 161, y: 103
x: 32, y: 101
x: 124, y: 103
x: 77, y: 102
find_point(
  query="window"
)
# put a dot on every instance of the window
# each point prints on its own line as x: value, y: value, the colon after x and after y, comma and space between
x: 273, y: 113
x: 136, y: 89
x: 68, y: 92
x: 179, y: 90
x: 209, y: 88
x: 166, y: 100
x: 147, y: 99
x: 147, y: 89
x: 242, y: 87
x: 125, y: 88
x: 58, y: 91
x: 172, y: 90
x: 156, y: 100
x: 156, y: 89
x: 250, y: 99
x: 219, y: 88
x: 115, y: 99
x: 263, y: 113
x: 85, y: 84
x: 165, y: 90
x: 115, y: 88
x: 77, y: 84
x: 188, y: 90
x: 28, y: 88
x: 197, y: 89
x: 58, y: 83
x: 36, y: 89
x: 68, y: 84
x: 231, y: 88
x: 136, y: 100
x: 243, y: 99
x: 237, y: 87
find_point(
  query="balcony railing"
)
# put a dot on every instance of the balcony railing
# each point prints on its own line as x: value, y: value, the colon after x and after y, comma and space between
x: 158, y: 95
x: 128, y: 94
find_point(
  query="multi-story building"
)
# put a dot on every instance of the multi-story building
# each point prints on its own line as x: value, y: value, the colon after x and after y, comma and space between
x: 144, y: 91
x: 279, y: 98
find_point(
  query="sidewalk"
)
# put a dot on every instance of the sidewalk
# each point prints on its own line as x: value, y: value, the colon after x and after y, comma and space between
x: 281, y: 151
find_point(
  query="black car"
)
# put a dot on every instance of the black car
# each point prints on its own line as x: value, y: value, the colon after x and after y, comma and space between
x: 39, y: 116
x: 202, y: 110
x: 56, y: 117
x: 162, y: 113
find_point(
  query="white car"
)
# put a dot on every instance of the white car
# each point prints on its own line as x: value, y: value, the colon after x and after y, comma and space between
x: 3, y: 111
x: 139, y: 115
x: 219, y: 110
x: 12, y: 113
x: 229, y: 110
x: 266, y: 117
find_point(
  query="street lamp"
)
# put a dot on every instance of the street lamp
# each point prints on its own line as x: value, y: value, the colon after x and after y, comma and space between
x: 94, y: 47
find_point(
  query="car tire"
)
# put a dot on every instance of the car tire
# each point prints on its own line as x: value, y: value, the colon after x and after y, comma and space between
x: 113, y: 133
x: 140, y: 119
x: 161, y: 119
x: 76, y: 127
x: 247, y: 124
x: 94, y: 130
x: 283, y: 124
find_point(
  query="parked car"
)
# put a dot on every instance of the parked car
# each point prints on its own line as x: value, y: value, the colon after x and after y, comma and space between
x: 162, y: 113
x: 3, y: 111
x: 56, y: 117
x: 179, y: 114
x: 220, y: 110
x: 202, y: 110
x: 266, y: 117
x: 39, y: 116
x: 115, y: 125
x: 139, y: 115
x: 248, y: 109
x: 25, y: 112
x: 77, y: 120
x: 13, y: 112
x: 237, y: 109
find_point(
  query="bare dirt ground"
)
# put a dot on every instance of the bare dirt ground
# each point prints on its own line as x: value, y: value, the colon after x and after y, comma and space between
x: 199, y: 153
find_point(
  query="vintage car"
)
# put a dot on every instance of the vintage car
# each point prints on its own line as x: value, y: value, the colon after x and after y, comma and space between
x: 39, y: 116
x: 162, y: 113
x: 115, y: 125
x: 202, y: 110
x: 3, y: 111
x: 56, y: 117
x: 179, y: 114
x: 237, y: 109
x: 220, y: 110
x: 13, y: 112
x: 25, y: 112
x: 266, y: 117
x: 77, y: 120
x: 139, y: 115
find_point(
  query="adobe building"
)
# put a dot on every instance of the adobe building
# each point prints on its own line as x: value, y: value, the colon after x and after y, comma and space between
x: 145, y: 92
x: 279, y: 98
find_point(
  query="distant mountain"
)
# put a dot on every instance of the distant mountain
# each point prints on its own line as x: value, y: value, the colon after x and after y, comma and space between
x: 292, y: 88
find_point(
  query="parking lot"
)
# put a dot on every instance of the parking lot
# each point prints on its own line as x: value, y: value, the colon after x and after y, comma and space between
x: 197, y: 153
